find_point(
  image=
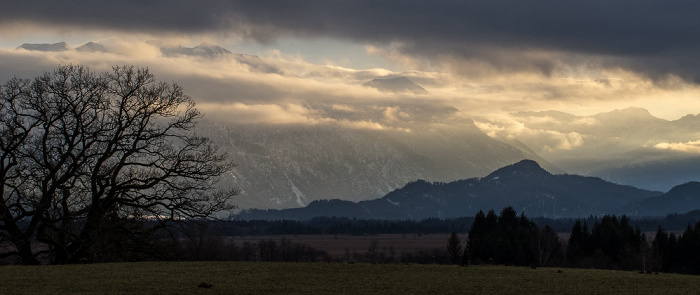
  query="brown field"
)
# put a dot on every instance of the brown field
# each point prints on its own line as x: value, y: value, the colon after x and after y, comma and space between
x: 330, y: 278
x: 339, y: 245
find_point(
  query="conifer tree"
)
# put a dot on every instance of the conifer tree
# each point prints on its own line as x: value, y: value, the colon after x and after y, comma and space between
x: 454, y: 248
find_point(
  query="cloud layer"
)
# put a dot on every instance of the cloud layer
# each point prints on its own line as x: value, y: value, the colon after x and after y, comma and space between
x: 655, y: 38
x: 271, y: 89
x: 492, y: 61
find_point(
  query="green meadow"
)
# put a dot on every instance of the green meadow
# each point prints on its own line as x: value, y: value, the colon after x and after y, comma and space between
x: 330, y: 278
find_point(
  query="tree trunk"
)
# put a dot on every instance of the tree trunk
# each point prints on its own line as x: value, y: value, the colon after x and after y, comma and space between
x: 24, y: 249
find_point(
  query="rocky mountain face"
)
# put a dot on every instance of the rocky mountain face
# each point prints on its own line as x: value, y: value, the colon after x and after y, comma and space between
x: 524, y: 185
x: 292, y: 166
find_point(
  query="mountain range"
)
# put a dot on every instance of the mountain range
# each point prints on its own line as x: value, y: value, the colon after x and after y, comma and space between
x: 286, y: 166
x: 629, y: 146
x: 204, y: 50
x: 293, y: 165
x: 55, y: 47
x: 524, y: 185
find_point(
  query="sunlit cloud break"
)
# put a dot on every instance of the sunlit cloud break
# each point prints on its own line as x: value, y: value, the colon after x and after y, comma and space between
x: 686, y: 147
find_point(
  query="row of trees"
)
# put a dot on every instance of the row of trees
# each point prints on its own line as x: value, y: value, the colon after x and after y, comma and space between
x: 677, y: 253
x: 83, y: 156
x: 511, y: 239
x: 345, y: 226
x: 514, y: 240
x: 612, y: 243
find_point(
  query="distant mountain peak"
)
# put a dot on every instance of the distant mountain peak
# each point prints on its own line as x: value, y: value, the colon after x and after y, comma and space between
x: 522, y: 169
x: 92, y: 47
x: 210, y: 49
x: 688, y: 188
x: 680, y: 199
x: 207, y: 44
x: 396, y: 84
x: 628, y: 113
x: 55, y: 47
x: 204, y: 50
x: 523, y: 185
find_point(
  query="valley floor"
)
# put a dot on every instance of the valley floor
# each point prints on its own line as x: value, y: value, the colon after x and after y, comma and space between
x: 330, y: 278
x: 341, y: 245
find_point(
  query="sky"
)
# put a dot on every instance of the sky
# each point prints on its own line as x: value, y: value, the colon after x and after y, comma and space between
x: 479, y: 60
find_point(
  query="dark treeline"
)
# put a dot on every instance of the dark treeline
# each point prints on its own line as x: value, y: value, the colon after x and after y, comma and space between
x: 511, y: 239
x: 673, y: 222
x: 344, y: 226
x: 504, y: 239
x: 352, y: 226
x: 680, y: 253
x: 206, y: 243
x: 610, y: 242
x: 200, y: 240
x: 613, y: 243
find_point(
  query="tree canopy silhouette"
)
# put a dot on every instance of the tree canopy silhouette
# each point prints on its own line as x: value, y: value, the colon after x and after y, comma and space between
x: 504, y: 239
x: 79, y: 150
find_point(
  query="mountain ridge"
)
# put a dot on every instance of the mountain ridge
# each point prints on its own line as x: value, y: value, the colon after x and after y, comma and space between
x: 54, y: 47
x: 628, y: 145
x: 679, y: 199
x: 525, y: 185
x: 291, y: 166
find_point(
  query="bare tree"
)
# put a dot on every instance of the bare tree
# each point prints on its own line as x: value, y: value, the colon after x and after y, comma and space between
x: 78, y: 150
x: 547, y: 245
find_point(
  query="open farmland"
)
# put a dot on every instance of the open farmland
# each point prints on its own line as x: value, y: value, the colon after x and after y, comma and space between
x: 330, y: 278
x: 340, y: 245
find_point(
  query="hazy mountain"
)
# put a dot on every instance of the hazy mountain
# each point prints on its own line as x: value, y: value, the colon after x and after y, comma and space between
x: 680, y: 199
x: 257, y: 64
x: 63, y: 46
x: 203, y: 50
x: 291, y: 166
x: 55, y: 47
x: 398, y: 85
x: 524, y: 185
x: 208, y: 50
x: 92, y: 47
x: 628, y: 146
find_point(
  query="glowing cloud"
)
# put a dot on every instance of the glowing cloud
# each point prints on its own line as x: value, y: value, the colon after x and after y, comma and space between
x: 686, y: 147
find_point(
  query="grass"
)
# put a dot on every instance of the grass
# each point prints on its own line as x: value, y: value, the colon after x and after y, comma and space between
x: 330, y: 278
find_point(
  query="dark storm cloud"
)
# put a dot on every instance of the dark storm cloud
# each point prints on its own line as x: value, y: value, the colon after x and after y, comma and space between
x: 655, y: 37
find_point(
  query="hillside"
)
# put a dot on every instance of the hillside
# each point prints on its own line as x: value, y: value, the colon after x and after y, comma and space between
x: 679, y: 199
x: 291, y: 166
x: 629, y: 146
x: 524, y: 185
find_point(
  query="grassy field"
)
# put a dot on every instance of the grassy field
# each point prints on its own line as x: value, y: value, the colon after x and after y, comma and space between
x: 338, y: 245
x: 330, y: 278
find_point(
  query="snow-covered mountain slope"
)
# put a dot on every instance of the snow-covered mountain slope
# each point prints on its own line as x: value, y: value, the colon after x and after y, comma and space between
x: 291, y: 166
